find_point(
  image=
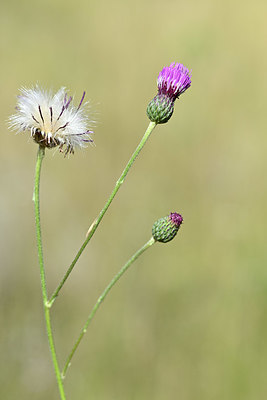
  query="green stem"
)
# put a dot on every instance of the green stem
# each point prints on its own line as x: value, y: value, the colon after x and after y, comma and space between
x: 94, y: 226
x: 101, y: 298
x: 36, y: 199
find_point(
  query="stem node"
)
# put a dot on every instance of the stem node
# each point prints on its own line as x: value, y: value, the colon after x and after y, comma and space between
x: 48, y: 304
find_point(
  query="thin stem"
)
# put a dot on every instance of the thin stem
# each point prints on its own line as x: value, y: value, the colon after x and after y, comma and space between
x: 36, y: 199
x: 100, y: 300
x: 94, y: 226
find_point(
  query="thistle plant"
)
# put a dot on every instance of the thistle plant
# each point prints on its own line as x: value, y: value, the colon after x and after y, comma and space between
x: 54, y: 122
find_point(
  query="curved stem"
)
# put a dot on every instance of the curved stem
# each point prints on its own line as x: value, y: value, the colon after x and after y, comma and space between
x: 101, y: 298
x: 95, y: 224
x: 36, y: 199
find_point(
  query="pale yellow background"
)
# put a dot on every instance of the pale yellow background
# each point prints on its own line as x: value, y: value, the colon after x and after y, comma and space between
x: 189, y: 321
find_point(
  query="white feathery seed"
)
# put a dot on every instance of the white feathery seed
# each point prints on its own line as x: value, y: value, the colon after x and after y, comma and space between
x: 52, y: 119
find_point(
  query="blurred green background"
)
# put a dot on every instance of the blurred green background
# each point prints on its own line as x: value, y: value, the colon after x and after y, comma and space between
x: 189, y: 320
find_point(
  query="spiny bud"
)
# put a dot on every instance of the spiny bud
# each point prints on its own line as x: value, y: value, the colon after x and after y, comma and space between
x: 165, y: 229
x: 160, y: 109
x: 172, y: 82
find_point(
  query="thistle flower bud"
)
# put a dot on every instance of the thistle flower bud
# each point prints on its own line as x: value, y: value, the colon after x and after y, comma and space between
x: 172, y: 82
x: 165, y: 229
x: 160, y: 109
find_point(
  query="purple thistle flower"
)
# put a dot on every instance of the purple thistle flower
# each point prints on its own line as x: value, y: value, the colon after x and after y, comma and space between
x: 176, y: 218
x: 172, y: 82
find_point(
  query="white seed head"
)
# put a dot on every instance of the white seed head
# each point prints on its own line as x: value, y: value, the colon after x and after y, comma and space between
x: 52, y: 119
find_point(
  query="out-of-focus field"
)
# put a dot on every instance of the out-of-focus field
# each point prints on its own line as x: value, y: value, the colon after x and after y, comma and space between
x: 189, y: 320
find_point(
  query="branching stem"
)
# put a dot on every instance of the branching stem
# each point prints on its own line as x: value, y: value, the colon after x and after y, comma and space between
x: 101, y: 299
x: 94, y: 226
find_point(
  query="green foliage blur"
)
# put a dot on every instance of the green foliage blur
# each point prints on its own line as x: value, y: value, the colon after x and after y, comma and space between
x: 189, y: 319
